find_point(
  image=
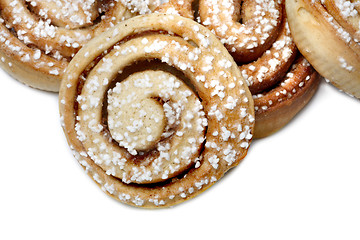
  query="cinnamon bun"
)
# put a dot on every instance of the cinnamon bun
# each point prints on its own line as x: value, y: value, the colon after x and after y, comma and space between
x: 156, y: 110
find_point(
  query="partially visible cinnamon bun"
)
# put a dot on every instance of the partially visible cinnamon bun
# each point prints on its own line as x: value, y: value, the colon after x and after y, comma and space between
x: 327, y: 33
x: 257, y: 35
x: 38, y: 38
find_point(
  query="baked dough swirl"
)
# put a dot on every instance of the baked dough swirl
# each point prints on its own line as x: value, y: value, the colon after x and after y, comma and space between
x: 265, y: 52
x: 245, y: 40
x: 156, y: 110
x: 275, y: 107
x: 327, y: 33
x: 39, y: 37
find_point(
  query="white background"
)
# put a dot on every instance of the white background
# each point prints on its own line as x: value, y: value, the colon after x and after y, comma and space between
x: 300, y: 183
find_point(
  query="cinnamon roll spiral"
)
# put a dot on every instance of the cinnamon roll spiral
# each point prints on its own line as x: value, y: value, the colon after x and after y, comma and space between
x: 39, y: 37
x: 257, y: 35
x: 328, y: 34
x: 156, y: 110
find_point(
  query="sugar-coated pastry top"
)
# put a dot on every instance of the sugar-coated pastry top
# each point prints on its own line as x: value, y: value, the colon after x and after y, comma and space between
x: 257, y: 35
x: 156, y: 110
x: 39, y: 37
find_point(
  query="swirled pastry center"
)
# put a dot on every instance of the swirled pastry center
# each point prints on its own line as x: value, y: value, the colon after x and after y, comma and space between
x: 153, y: 116
x: 136, y: 112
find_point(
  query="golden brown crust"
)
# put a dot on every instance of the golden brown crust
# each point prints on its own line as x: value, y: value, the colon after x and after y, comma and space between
x: 271, y: 67
x: 274, y: 109
x: 27, y: 74
x: 37, y: 45
x: 156, y: 45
